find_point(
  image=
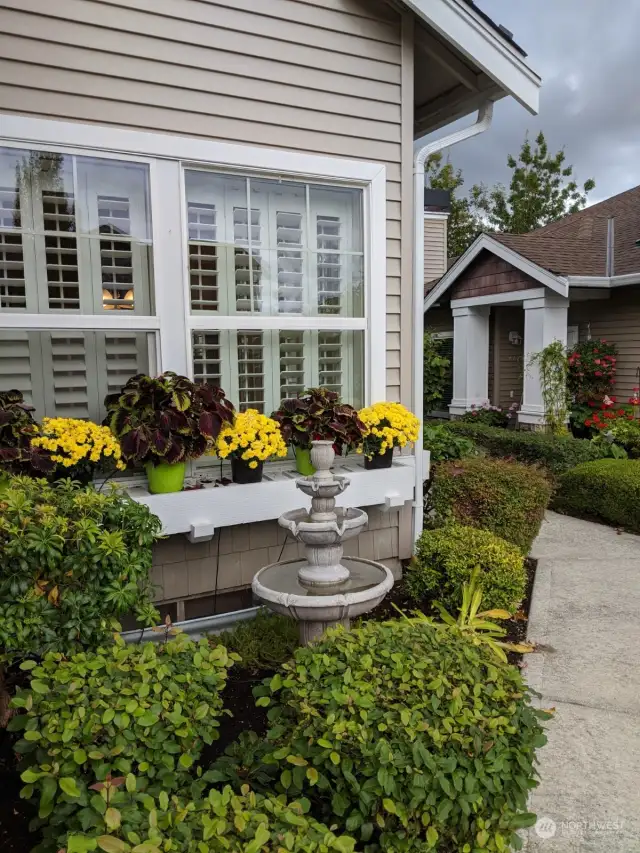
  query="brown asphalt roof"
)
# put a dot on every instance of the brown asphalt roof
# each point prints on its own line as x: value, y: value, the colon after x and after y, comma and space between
x: 577, y: 244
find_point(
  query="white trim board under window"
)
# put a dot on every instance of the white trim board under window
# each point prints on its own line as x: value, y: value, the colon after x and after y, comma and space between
x: 163, y: 319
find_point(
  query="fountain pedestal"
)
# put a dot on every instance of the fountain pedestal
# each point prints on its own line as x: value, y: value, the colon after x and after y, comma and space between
x: 325, y: 588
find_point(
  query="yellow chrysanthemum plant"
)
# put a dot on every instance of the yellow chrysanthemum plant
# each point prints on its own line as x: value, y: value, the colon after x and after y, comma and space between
x: 387, y: 425
x: 249, y: 441
x: 79, y: 448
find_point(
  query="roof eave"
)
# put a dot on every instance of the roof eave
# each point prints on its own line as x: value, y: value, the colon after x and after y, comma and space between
x: 462, y: 27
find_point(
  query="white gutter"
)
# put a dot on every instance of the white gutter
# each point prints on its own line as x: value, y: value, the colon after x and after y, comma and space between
x: 482, y: 123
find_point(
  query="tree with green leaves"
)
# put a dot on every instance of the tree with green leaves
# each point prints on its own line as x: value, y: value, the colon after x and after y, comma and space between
x: 542, y: 189
x: 464, y: 225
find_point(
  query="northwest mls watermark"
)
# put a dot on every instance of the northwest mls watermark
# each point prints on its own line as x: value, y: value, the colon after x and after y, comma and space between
x: 547, y: 827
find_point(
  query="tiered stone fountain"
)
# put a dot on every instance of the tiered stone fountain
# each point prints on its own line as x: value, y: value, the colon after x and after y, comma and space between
x: 324, y: 588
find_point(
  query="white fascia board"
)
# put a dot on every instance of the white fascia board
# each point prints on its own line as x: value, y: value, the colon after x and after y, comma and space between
x: 556, y: 283
x: 462, y: 27
x: 604, y: 281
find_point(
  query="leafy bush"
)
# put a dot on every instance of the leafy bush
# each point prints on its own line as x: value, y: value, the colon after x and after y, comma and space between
x: 443, y: 444
x: 264, y: 642
x: 145, y: 710
x: 221, y: 821
x: 506, y: 498
x: 74, y: 560
x: 445, y: 559
x: 608, y: 489
x: 626, y: 434
x: 436, y: 370
x: 557, y: 453
x: 408, y: 735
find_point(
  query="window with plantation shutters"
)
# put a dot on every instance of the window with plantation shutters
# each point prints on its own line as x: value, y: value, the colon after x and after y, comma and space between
x: 280, y: 252
x: 75, y: 240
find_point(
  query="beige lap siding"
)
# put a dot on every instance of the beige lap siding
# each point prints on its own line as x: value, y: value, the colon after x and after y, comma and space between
x: 333, y: 77
x: 183, y: 571
x: 615, y: 319
x: 322, y: 76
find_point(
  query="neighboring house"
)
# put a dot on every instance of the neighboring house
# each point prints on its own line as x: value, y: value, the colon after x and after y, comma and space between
x: 509, y: 295
x: 226, y: 190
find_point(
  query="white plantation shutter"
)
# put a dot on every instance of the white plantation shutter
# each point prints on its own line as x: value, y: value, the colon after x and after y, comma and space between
x: 17, y: 368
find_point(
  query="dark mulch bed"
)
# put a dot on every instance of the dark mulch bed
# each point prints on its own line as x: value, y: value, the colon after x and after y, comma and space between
x: 15, y: 814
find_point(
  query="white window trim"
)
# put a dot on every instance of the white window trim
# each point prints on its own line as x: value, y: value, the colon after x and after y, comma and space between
x: 166, y: 156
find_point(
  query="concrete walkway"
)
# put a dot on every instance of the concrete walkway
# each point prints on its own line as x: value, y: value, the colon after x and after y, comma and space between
x: 586, y: 613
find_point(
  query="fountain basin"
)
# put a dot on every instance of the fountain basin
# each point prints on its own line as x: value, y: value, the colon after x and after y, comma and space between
x: 314, y: 488
x: 348, y: 523
x: 317, y: 608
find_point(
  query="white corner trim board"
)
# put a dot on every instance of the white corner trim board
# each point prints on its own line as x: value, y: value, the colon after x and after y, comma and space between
x: 556, y: 283
x: 198, y: 513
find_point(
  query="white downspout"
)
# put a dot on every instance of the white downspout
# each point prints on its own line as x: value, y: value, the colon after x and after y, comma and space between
x: 481, y: 124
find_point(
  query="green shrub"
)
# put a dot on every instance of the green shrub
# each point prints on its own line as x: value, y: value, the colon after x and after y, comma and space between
x: 507, y: 498
x: 446, y: 557
x: 556, y: 453
x: 264, y: 642
x: 220, y: 821
x: 443, y: 444
x: 436, y: 370
x: 73, y: 561
x: 488, y: 414
x: 145, y: 710
x: 408, y: 736
x: 626, y: 434
x: 608, y: 490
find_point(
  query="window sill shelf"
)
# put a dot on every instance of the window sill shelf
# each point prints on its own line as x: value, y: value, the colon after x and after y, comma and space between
x: 199, y: 512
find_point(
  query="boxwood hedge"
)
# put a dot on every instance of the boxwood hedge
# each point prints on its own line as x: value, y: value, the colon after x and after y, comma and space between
x: 556, y: 453
x: 506, y: 498
x: 608, y: 490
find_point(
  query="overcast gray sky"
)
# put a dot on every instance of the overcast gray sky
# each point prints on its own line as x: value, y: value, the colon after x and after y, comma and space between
x: 588, y: 56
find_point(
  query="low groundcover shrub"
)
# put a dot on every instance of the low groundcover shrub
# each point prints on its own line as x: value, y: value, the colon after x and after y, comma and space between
x: 220, y: 821
x: 407, y: 736
x: 608, y: 490
x: 557, y: 453
x: 446, y: 557
x: 125, y: 709
x: 506, y: 498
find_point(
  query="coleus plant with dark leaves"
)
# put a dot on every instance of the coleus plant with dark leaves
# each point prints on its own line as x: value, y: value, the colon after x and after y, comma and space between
x: 167, y: 418
x: 17, y: 429
x: 319, y: 415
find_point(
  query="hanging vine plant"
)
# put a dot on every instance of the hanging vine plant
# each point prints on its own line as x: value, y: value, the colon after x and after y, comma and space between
x: 552, y: 365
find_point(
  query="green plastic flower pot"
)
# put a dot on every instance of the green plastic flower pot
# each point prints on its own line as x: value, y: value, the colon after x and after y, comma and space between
x: 165, y: 478
x: 303, y: 461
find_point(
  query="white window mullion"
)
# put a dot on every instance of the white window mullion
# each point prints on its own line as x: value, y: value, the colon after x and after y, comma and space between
x: 170, y: 266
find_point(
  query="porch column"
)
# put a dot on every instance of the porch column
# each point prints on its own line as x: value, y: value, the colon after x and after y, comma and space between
x: 470, y: 358
x: 545, y: 321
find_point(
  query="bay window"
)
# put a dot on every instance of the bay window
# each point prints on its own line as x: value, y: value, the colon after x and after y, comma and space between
x: 125, y: 252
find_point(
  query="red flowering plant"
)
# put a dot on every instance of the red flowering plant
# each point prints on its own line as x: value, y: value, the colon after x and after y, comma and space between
x: 591, y: 378
x: 591, y: 371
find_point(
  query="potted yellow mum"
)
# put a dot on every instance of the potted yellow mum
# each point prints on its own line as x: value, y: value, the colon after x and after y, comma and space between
x: 249, y: 442
x: 79, y: 448
x: 387, y: 425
